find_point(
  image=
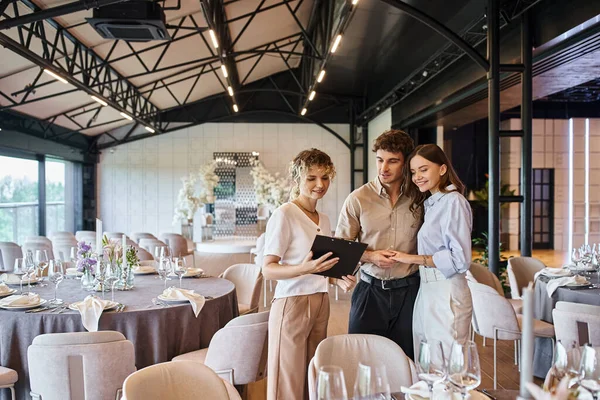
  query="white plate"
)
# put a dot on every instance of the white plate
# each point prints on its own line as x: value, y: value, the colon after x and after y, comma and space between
x: 473, y: 394
x: 10, y: 291
x: 108, y: 306
x: 167, y: 300
x: 144, y: 270
x: 193, y: 272
x: 11, y: 282
x: 27, y: 307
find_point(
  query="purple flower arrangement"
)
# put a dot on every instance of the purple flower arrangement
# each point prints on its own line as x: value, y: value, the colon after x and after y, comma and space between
x: 85, y: 257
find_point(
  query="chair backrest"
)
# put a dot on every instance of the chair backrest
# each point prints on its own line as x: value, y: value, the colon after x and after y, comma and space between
x: 62, y: 235
x: 9, y: 251
x: 62, y: 248
x: 248, y: 281
x: 87, y: 236
x: 150, y: 244
x: 482, y: 274
x: 491, y: 310
x: 177, y: 243
x: 182, y: 380
x: 249, y: 319
x: 144, y: 255
x: 38, y: 244
x: 568, y: 319
x: 246, y: 361
x: 521, y: 271
x: 57, y: 363
x: 347, y: 351
x: 114, y: 235
x: 136, y: 236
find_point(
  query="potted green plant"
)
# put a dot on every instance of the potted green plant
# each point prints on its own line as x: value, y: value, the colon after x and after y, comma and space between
x: 481, y: 245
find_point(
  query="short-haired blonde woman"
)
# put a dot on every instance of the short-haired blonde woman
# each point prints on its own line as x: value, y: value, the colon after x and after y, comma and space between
x: 300, y: 309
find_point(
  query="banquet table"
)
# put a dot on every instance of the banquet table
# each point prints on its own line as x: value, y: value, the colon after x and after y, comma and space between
x: 542, y: 359
x: 158, y: 333
x: 217, y: 255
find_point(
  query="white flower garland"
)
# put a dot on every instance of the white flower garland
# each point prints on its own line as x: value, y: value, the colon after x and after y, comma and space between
x: 187, y: 201
x: 270, y: 190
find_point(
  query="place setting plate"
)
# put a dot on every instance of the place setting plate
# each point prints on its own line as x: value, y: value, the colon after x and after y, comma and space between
x: 193, y: 273
x: 14, y: 280
x: 173, y: 301
x: 10, y: 291
x: 109, y: 305
x: 144, y: 270
x: 24, y: 307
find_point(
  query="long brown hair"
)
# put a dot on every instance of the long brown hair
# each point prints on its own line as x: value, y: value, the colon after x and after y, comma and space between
x: 432, y: 153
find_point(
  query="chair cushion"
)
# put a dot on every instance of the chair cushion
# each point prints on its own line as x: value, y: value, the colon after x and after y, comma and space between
x: 517, y: 305
x: 244, y: 308
x: 540, y: 328
x: 196, y: 356
x: 8, y: 376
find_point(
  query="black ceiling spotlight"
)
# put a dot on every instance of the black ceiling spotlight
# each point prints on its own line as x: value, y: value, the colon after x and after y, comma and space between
x: 132, y: 21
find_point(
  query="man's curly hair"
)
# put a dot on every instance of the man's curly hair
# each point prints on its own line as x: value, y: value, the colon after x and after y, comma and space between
x: 394, y: 141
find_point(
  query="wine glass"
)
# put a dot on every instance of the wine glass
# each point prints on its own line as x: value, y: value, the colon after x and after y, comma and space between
x: 112, y: 277
x: 73, y: 255
x: 589, y: 371
x: 371, y: 383
x: 20, y: 270
x: 431, y: 363
x: 164, y: 268
x: 29, y: 270
x: 179, y: 270
x: 41, y: 260
x: 464, y: 371
x: 331, y: 384
x: 56, y: 274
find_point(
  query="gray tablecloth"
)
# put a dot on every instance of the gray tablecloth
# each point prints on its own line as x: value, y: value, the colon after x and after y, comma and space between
x: 158, y: 334
x: 542, y: 358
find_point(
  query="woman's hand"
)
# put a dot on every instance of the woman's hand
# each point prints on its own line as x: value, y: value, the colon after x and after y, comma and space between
x: 346, y: 283
x: 401, y: 257
x: 310, y: 266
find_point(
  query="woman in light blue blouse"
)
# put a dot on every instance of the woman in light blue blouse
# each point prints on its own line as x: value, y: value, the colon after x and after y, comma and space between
x: 443, y: 308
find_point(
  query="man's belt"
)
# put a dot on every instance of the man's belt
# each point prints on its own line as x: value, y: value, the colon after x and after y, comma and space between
x: 389, y: 284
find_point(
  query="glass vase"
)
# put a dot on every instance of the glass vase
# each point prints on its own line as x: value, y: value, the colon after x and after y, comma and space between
x: 87, y: 280
x: 187, y: 229
x: 126, y: 278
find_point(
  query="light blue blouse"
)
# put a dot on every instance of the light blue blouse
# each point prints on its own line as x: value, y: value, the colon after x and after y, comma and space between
x: 446, y: 232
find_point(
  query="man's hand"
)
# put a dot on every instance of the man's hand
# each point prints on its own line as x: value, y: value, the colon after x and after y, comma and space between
x: 346, y: 283
x: 381, y: 258
x: 401, y: 257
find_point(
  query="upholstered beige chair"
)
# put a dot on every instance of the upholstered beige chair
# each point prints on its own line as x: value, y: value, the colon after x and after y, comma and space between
x: 61, y: 248
x: 483, y: 275
x: 248, y: 281
x: 88, y: 236
x: 61, y: 235
x: 571, y: 318
x: 114, y: 235
x: 347, y: 351
x: 34, y: 243
x: 185, y: 380
x: 9, y: 251
x: 150, y: 244
x: 8, y: 378
x: 178, y: 245
x: 497, y: 320
x: 521, y: 271
x: 136, y: 236
x: 79, y: 365
x: 241, y: 364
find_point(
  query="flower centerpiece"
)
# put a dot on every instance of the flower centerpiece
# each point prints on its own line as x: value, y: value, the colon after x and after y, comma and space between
x: 127, y: 276
x: 270, y: 190
x: 86, y: 263
x: 188, y: 202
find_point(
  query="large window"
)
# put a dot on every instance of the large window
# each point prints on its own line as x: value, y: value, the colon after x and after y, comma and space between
x: 38, y: 196
x: 19, y: 194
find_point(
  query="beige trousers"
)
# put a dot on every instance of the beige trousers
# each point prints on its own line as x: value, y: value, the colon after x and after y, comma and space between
x: 297, y: 325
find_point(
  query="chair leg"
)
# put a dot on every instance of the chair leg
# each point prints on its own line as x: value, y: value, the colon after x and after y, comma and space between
x: 516, y: 354
x: 12, y: 393
x: 271, y: 286
x: 336, y: 292
x: 484, y: 341
x: 265, y: 293
x: 495, y: 358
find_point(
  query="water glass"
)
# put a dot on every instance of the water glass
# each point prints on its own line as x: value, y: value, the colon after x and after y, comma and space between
x: 73, y: 255
x: 371, y: 383
x: 331, y: 384
x: 464, y: 371
x: 164, y: 268
x: 20, y: 270
x: 29, y: 270
x: 112, y: 277
x: 589, y: 371
x: 431, y: 362
x: 56, y: 274
x: 179, y: 270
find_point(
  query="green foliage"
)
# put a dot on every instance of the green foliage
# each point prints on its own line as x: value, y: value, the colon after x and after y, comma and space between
x: 482, y: 195
x: 481, y: 244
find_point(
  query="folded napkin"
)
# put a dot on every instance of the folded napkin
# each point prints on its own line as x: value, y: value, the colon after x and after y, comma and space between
x: 553, y: 272
x: 561, y: 393
x: 556, y: 283
x: 196, y: 300
x: 4, y: 288
x: 91, y: 309
x: 20, y: 300
x: 440, y: 391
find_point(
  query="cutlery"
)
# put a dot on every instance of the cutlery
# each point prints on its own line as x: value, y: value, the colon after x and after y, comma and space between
x: 37, y: 310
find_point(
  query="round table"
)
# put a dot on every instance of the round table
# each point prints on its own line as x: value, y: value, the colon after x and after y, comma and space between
x: 158, y: 333
x: 542, y: 360
x: 219, y: 254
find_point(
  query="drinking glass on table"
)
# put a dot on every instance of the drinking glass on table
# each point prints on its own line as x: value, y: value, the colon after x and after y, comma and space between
x: 464, y: 371
x: 331, y: 384
x: 589, y: 371
x: 41, y: 260
x: 20, y: 270
x: 371, y: 383
x: 431, y: 362
x: 56, y: 274
x: 112, y: 277
x: 29, y: 270
x: 164, y: 268
x: 567, y: 359
x: 179, y: 270
x: 73, y: 255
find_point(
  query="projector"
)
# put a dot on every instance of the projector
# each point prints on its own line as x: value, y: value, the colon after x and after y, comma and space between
x: 132, y: 21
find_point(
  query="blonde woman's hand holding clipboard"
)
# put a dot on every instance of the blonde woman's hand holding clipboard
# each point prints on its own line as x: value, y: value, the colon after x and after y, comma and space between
x: 311, y: 266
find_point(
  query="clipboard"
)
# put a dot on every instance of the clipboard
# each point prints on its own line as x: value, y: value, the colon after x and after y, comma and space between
x: 348, y: 251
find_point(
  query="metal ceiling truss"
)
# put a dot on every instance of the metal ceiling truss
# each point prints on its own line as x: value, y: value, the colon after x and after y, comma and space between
x: 63, y: 54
